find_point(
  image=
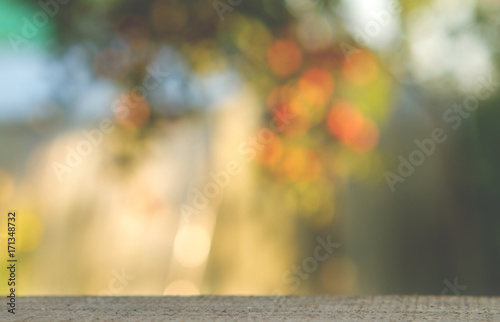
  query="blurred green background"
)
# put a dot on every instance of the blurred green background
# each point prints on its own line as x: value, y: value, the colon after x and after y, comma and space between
x: 210, y: 147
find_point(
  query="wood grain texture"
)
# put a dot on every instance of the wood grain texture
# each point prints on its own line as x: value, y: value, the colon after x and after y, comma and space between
x: 254, y: 308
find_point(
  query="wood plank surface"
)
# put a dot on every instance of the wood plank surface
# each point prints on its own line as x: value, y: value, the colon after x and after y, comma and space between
x: 255, y: 308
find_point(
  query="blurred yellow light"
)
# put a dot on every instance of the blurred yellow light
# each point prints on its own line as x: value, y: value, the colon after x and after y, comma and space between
x: 252, y: 37
x: 311, y: 201
x: 192, y: 245
x: 300, y: 164
x: 181, y: 287
x: 30, y: 231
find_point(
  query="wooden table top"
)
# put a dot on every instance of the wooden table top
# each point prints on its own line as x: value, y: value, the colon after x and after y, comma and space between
x: 160, y: 308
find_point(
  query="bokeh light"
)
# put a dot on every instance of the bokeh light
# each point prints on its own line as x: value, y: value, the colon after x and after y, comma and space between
x: 316, y: 85
x: 284, y: 57
x: 360, y: 68
x: 132, y: 111
x: 300, y: 164
x: 351, y: 127
x: 290, y: 113
x: 192, y: 245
